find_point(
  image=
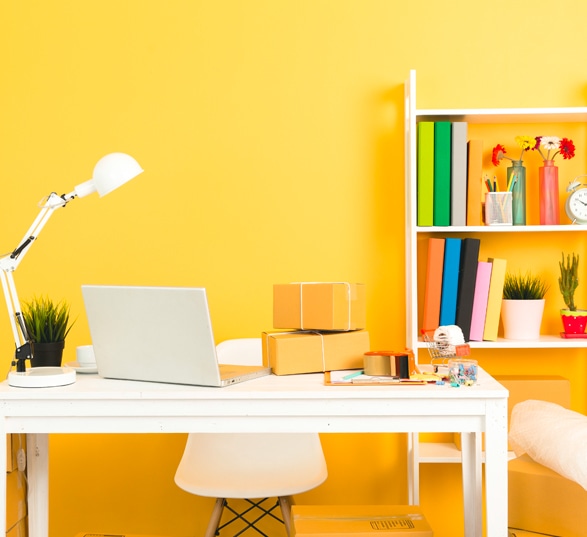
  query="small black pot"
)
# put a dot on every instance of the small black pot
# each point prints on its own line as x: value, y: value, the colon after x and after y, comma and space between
x: 47, y: 354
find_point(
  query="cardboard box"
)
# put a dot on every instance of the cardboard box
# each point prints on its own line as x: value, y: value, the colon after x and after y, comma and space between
x: 20, y: 529
x: 319, y: 306
x: 14, y: 442
x: 542, y: 501
x: 359, y: 521
x: 551, y: 388
x: 16, y: 498
x: 514, y: 532
x: 289, y: 353
x: 91, y: 534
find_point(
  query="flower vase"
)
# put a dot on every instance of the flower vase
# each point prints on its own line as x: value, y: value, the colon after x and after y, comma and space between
x: 548, y: 193
x: 516, y: 180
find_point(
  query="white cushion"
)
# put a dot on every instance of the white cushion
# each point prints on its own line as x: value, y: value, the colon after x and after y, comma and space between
x: 553, y: 436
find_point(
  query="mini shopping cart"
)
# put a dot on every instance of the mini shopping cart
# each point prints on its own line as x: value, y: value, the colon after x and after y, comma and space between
x: 441, y: 351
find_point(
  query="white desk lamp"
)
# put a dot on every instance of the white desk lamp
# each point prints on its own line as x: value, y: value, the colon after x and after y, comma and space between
x: 110, y: 172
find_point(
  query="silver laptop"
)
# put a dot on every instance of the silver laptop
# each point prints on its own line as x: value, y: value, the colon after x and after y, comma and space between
x: 157, y: 334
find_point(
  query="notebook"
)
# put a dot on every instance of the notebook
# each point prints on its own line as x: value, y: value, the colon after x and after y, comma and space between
x: 157, y: 334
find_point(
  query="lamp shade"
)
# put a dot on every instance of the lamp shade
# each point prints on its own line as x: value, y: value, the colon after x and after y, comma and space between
x: 113, y: 170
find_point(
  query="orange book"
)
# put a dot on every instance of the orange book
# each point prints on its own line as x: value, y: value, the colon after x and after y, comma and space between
x: 433, y: 289
x: 475, y: 183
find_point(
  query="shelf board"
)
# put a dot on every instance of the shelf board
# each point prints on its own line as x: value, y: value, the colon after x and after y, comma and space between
x: 505, y: 115
x: 544, y: 342
x: 563, y: 228
x: 444, y: 452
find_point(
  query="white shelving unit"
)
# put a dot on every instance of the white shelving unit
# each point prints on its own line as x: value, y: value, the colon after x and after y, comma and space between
x: 437, y: 452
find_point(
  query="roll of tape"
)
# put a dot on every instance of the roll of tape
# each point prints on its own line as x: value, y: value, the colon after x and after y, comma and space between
x: 386, y: 364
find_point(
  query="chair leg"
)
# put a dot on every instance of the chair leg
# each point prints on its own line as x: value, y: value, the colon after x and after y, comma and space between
x: 285, y: 502
x: 215, y: 518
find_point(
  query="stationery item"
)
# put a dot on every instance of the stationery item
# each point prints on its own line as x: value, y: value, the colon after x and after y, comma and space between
x: 480, y: 301
x: 458, y: 180
x: 433, y: 289
x: 450, y: 280
x: 389, y: 363
x: 474, y: 183
x: 442, y: 173
x: 494, y: 298
x: 157, y: 334
x: 337, y: 378
x: 466, y: 289
x: 425, y: 183
x: 498, y: 208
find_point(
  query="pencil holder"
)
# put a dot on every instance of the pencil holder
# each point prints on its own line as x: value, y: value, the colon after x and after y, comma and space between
x: 498, y: 208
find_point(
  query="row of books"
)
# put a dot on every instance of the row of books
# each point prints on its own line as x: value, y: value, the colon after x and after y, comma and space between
x: 449, y: 176
x: 461, y: 289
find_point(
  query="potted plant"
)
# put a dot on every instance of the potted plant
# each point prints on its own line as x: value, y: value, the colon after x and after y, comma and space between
x: 522, y: 306
x: 47, y: 324
x: 574, y: 321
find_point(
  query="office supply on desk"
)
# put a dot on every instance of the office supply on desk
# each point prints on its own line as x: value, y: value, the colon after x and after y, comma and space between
x: 356, y: 378
x: 158, y: 334
x: 110, y: 172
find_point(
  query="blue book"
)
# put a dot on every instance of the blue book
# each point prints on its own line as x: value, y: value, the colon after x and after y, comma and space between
x: 450, y: 281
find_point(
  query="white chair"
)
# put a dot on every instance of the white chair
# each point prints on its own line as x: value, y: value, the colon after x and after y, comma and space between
x: 250, y: 466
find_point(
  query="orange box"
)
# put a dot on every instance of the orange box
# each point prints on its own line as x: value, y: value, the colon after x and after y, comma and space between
x: 359, y: 521
x: 551, y: 388
x: 543, y: 501
x: 319, y: 306
x: 16, y: 498
x: 14, y: 442
x: 20, y: 529
x: 289, y: 353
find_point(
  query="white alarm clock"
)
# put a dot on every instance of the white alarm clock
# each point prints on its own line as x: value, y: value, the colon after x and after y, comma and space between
x: 576, y: 205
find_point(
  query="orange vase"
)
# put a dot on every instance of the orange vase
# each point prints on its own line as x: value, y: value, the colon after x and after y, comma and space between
x: 548, y: 193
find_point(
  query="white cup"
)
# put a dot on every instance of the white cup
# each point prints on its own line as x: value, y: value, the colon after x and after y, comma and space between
x: 85, y: 356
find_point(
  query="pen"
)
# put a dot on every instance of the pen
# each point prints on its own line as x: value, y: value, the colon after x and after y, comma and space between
x: 352, y: 375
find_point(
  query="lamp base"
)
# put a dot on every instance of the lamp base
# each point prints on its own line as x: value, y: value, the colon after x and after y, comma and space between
x: 42, y: 377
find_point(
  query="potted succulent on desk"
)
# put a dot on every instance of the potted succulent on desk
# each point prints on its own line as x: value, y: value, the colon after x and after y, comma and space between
x: 47, y: 324
x: 522, y: 306
x: 574, y: 320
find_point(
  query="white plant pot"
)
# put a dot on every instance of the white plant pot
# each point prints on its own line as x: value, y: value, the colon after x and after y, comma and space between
x: 522, y: 318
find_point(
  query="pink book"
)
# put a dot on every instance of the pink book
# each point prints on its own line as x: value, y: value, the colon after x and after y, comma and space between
x: 480, y: 301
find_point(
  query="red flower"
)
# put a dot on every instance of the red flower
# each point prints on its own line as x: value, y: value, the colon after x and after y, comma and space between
x: 498, y: 153
x: 567, y: 148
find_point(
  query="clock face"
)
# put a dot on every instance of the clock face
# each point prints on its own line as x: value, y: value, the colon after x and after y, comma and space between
x: 576, y: 206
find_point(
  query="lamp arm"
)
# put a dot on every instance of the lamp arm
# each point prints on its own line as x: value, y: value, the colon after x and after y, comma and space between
x: 10, y: 262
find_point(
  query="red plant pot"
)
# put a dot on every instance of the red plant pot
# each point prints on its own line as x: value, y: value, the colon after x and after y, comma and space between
x: 574, y: 322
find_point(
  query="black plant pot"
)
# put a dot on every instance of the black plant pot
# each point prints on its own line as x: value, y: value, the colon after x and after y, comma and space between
x: 47, y: 354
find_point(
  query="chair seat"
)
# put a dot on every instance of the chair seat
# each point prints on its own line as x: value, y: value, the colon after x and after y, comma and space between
x: 254, y: 465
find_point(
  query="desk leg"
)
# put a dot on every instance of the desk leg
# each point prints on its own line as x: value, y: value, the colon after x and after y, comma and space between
x: 472, y: 483
x: 38, y: 478
x: 414, y: 468
x: 496, y: 468
x: 3, y: 439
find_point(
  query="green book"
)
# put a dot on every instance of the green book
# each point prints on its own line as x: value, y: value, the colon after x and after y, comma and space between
x: 442, y: 172
x: 425, y: 161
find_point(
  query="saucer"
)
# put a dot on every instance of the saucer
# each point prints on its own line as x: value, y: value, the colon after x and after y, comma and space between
x: 80, y: 369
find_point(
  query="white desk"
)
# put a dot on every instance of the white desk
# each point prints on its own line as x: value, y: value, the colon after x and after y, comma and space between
x: 298, y: 403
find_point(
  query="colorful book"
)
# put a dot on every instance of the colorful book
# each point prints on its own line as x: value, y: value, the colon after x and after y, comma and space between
x: 425, y: 184
x: 433, y: 288
x: 442, y: 161
x: 475, y: 183
x: 494, y: 298
x: 480, y: 301
x: 458, y: 171
x: 450, y: 281
x: 467, y: 278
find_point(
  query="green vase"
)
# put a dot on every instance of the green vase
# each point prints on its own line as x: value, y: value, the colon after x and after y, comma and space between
x: 516, y: 176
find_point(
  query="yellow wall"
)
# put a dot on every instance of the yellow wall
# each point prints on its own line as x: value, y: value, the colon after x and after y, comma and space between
x: 271, y: 134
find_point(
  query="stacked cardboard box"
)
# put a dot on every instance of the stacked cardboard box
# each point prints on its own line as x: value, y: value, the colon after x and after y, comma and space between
x: 359, y: 521
x: 325, y: 328
x: 16, y: 497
